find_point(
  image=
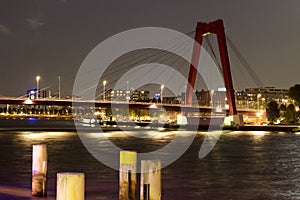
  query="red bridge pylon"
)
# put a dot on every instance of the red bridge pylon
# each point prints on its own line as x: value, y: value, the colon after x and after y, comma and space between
x: 216, y: 27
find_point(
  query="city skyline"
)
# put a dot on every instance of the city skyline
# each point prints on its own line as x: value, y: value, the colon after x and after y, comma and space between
x: 52, y: 38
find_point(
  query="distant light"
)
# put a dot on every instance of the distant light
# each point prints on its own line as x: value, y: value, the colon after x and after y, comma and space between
x: 97, y: 113
x: 259, y: 114
x: 32, y: 118
x: 219, y: 109
x: 32, y: 92
x: 205, y: 34
x: 156, y: 96
x: 153, y: 106
x: 28, y: 101
x: 222, y: 89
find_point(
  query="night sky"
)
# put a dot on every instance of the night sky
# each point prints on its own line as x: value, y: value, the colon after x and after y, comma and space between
x: 51, y: 38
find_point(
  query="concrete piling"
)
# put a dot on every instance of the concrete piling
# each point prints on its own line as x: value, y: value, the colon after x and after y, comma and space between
x: 39, y: 170
x: 127, y: 175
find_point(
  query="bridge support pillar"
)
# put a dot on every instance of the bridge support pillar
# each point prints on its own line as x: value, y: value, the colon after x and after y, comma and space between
x: 216, y: 27
x: 234, y: 120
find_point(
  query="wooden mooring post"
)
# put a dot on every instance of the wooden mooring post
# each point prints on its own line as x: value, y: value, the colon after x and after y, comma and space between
x: 127, y: 175
x: 70, y: 186
x: 39, y: 170
x: 150, y: 180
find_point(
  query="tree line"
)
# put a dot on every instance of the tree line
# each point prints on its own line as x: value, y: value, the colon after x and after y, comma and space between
x: 286, y: 114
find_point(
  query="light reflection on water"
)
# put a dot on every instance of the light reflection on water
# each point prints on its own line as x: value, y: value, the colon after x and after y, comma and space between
x: 29, y: 136
x: 242, y: 165
x: 138, y: 134
x: 257, y: 136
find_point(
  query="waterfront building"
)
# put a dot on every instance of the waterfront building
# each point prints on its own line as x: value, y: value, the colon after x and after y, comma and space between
x: 268, y: 94
x: 31, y: 94
x: 170, y: 100
x: 211, y: 98
x: 140, y: 95
x: 250, y: 98
x: 119, y: 95
x: 257, y: 98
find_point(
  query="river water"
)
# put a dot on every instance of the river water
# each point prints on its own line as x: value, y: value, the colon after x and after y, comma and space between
x: 242, y: 165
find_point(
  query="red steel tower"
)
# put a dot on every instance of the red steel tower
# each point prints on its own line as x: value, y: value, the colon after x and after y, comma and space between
x: 216, y: 27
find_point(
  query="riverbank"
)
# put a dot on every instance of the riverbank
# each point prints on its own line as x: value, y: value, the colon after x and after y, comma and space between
x: 67, y: 124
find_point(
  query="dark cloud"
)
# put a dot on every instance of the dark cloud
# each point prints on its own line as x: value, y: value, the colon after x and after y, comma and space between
x: 4, y: 30
x: 34, y: 23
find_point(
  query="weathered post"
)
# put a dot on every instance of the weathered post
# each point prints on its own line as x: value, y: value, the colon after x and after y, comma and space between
x: 127, y: 175
x: 150, y: 180
x: 39, y: 170
x: 70, y: 186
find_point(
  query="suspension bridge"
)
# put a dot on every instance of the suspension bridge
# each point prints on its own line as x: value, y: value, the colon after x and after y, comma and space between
x: 122, y: 65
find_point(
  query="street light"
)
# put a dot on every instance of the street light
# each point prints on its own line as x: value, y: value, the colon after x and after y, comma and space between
x: 127, y: 91
x: 37, y: 86
x: 258, y: 114
x: 257, y: 98
x: 104, y: 83
x: 161, y: 93
x: 59, y: 87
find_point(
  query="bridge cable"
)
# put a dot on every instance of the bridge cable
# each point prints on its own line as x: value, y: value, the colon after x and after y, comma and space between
x: 142, y: 60
x: 244, y: 62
